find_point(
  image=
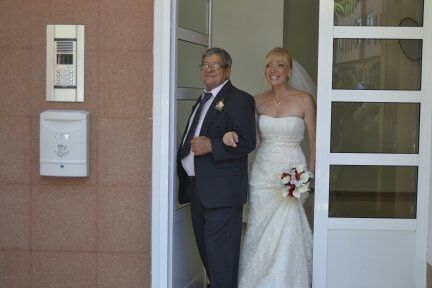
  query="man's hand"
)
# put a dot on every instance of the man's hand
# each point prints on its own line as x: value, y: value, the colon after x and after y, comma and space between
x: 230, y: 139
x: 201, y: 145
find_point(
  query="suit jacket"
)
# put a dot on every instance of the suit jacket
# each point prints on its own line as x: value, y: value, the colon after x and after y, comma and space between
x: 222, y: 176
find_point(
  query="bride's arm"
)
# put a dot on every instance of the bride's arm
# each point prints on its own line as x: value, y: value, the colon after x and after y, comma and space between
x: 310, y: 121
x: 258, y: 136
x: 231, y: 138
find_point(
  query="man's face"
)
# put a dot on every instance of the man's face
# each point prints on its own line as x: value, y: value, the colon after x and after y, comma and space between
x: 211, y: 76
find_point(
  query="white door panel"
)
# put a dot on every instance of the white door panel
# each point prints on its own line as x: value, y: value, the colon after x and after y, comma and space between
x: 192, y: 38
x: 188, y: 270
x: 373, y: 157
x: 365, y: 259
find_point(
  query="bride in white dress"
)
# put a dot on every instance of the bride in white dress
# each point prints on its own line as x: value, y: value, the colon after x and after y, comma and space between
x: 277, y: 250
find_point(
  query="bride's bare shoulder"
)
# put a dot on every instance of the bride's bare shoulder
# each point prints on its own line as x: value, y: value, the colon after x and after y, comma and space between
x: 302, y: 96
x: 307, y: 101
x: 262, y: 97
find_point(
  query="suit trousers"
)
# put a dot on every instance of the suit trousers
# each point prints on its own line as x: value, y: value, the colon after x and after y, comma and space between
x: 218, y: 235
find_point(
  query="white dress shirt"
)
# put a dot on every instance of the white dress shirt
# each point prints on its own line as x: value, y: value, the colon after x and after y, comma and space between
x: 188, y: 161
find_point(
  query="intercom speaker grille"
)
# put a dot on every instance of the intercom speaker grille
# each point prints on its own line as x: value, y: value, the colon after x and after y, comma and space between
x: 65, y: 46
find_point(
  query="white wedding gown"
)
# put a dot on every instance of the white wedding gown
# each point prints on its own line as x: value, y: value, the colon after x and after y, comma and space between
x: 277, y: 250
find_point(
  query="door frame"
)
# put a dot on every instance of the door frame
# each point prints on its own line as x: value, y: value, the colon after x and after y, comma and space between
x: 162, y: 157
x: 322, y: 222
x: 165, y: 35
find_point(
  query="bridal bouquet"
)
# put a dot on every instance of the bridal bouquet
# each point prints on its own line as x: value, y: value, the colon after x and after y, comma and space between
x: 295, y: 182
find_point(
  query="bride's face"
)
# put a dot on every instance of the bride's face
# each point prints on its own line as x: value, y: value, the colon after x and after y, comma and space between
x: 277, y: 71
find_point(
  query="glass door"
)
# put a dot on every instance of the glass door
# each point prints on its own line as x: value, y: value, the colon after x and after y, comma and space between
x: 192, y: 38
x: 373, y: 143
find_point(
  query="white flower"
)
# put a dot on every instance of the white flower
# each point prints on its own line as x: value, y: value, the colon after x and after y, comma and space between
x: 300, y: 189
x: 284, y: 193
x: 219, y: 106
x: 301, y: 168
x: 286, y: 179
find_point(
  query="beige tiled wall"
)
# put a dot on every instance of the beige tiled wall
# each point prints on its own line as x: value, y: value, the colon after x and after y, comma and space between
x: 77, y: 232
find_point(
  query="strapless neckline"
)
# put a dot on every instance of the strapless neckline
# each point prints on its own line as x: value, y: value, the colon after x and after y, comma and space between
x: 286, y: 130
x: 285, y: 117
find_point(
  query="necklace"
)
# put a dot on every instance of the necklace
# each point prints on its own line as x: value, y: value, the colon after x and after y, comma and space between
x: 276, y: 102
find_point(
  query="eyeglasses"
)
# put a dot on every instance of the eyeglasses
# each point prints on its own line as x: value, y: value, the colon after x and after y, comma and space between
x: 214, y: 66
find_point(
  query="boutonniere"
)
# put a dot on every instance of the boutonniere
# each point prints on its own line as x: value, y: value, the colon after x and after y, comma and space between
x: 220, y: 105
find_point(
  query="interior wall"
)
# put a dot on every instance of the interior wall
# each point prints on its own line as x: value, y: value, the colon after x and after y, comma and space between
x: 249, y: 38
x: 248, y: 29
x: 429, y: 254
x: 430, y: 236
x: 268, y: 24
x: 301, y: 33
x: 77, y: 232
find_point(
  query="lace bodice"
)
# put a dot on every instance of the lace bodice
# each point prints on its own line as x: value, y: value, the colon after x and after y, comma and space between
x: 279, y: 145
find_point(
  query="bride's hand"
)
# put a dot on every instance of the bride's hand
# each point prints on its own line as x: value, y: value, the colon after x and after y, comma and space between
x: 230, y: 139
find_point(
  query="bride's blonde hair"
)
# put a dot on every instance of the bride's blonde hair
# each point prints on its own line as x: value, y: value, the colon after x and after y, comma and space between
x: 276, y: 52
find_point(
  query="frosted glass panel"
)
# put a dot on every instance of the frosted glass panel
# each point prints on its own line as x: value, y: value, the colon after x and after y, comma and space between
x: 189, y: 59
x: 373, y: 191
x: 378, y: 13
x: 377, y: 64
x: 193, y: 15
x: 364, y: 127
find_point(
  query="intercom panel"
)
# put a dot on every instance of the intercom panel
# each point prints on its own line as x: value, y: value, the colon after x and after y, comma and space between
x: 65, y: 63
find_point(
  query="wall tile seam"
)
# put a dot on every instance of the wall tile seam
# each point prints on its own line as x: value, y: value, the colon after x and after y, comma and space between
x: 14, y: 250
x: 125, y: 251
x: 105, y: 252
x: 16, y: 48
x: 67, y: 251
x: 131, y: 252
x: 125, y: 186
x: 43, y: 47
x: 97, y: 164
x: 74, y: 185
x: 118, y: 50
x: 138, y: 252
x: 10, y: 117
x: 146, y: 117
x: 78, y: 185
x: 92, y: 116
x: 14, y: 183
x: 30, y: 190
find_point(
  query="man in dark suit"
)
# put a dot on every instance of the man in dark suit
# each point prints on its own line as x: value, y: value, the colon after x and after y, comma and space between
x: 213, y: 176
